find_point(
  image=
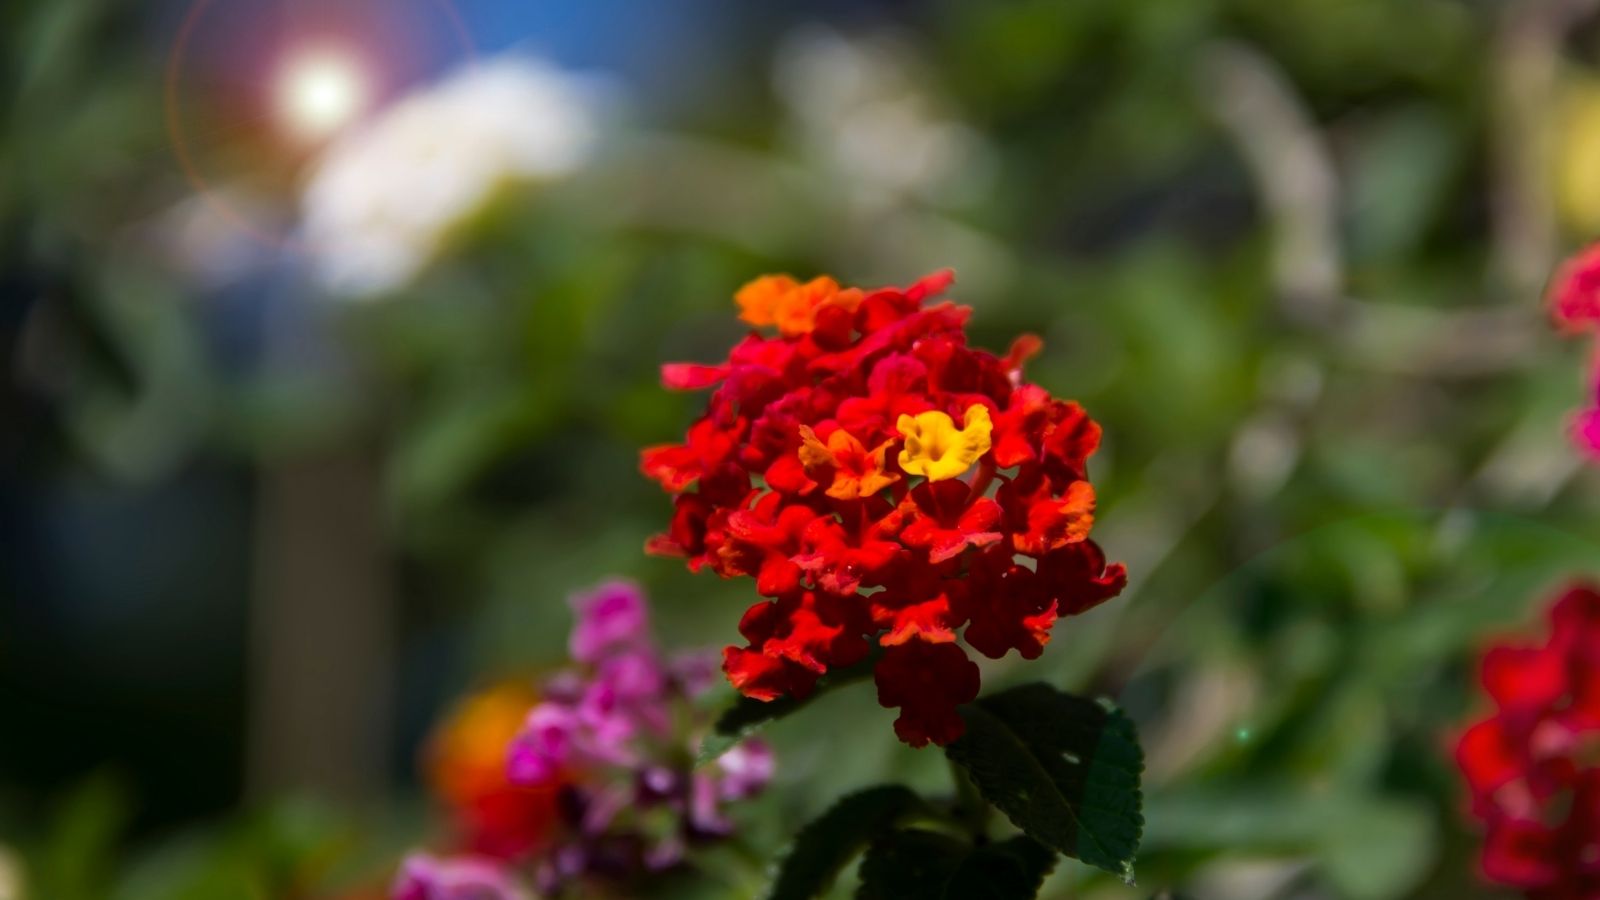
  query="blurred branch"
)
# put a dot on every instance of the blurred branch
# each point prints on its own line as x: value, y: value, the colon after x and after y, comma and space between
x: 1403, y: 339
x: 1298, y: 184
x: 1524, y: 65
x: 1297, y: 181
x: 321, y: 630
x: 1292, y: 168
x: 1527, y: 468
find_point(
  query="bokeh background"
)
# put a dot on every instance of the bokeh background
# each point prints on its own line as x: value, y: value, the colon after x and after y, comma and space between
x: 315, y: 409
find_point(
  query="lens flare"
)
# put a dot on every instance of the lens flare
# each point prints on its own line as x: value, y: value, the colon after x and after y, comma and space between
x: 319, y: 92
x: 252, y: 89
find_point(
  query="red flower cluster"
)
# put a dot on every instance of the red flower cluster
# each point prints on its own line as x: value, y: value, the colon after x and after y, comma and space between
x: 879, y: 479
x: 1532, y: 767
x: 1574, y: 301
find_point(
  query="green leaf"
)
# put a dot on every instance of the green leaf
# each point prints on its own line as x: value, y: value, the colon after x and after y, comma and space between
x: 1011, y: 868
x: 827, y: 845
x: 77, y: 856
x: 911, y: 864
x: 1063, y: 769
x: 747, y: 716
x: 924, y: 865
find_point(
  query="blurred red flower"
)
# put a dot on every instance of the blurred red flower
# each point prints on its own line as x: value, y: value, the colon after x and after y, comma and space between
x: 465, y: 766
x: 1532, y: 768
x: 1574, y: 293
x: 1574, y: 301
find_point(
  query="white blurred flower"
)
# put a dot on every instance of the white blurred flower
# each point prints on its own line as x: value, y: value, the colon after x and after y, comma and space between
x: 383, y: 195
x: 209, y: 238
x: 860, y: 109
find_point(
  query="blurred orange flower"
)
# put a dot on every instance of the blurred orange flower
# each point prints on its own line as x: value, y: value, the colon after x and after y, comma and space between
x: 465, y: 766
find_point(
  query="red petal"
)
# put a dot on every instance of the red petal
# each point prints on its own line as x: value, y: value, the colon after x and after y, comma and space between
x: 1523, y: 679
x: 1521, y: 854
x: 927, y: 682
x: 931, y: 285
x: 1574, y: 292
x: 691, y: 376
x: 763, y: 677
x: 1487, y: 758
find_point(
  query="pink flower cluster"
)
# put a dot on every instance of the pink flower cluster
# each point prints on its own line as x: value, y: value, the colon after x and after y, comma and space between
x: 426, y: 877
x: 616, y: 735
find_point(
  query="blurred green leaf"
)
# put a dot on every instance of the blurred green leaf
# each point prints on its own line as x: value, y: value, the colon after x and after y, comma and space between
x: 466, y: 432
x: 824, y: 847
x: 290, y: 848
x: 1371, y: 846
x: 1382, y: 853
x: 79, y: 855
x: 1401, y: 169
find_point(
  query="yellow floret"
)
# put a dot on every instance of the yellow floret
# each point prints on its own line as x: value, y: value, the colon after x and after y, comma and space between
x: 936, y: 449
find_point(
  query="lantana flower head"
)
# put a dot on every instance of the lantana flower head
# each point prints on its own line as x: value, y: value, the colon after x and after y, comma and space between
x: 1531, y: 767
x: 884, y: 484
x: 610, y: 744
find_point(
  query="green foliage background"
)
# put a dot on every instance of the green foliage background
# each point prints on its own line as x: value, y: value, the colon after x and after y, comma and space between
x: 1289, y: 256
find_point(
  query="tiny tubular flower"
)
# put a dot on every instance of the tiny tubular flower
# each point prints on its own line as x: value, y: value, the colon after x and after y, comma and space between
x: 927, y: 682
x: 800, y: 310
x: 794, y: 307
x: 936, y: 449
x: 1056, y: 522
x: 857, y: 471
x: 763, y: 540
x: 945, y: 523
x: 758, y: 301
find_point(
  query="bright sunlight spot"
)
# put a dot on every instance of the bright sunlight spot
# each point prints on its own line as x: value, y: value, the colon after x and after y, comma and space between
x: 320, y: 92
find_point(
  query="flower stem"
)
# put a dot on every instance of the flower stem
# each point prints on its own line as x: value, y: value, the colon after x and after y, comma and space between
x: 971, y: 810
